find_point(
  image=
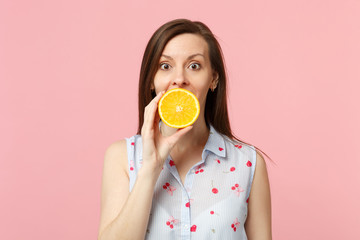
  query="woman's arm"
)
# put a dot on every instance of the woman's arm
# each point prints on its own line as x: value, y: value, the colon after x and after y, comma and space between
x: 125, y: 215
x: 258, y: 222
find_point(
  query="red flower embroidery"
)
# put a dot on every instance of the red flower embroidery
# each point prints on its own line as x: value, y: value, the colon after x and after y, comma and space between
x: 249, y: 164
x: 193, y: 228
x: 171, y: 222
x: 199, y: 169
x: 131, y: 165
x: 171, y: 162
x: 238, y: 146
x: 188, y: 203
x: 237, y: 189
x: 170, y: 189
x: 235, y: 224
x: 220, y: 149
x: 214, y: 190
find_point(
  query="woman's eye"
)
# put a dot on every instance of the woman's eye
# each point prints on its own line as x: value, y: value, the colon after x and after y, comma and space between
x: 195, y: 66
x: 164, y: 66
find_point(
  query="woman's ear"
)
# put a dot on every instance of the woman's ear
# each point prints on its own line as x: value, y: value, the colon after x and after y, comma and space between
x: 215, y: 79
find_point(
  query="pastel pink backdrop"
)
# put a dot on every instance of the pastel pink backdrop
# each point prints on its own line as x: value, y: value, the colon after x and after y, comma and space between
x: 68, y: 89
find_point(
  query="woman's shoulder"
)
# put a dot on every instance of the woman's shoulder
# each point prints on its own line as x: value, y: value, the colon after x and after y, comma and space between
x: 116, y: 154
x: 119, y: 148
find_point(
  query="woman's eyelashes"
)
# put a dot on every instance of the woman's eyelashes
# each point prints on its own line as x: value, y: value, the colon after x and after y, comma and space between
x: 195, y: 66
x: 164, y: 66
x: 192, y: 66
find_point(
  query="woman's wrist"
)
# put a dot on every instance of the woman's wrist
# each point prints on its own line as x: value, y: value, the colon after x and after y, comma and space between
x: 150, y: 171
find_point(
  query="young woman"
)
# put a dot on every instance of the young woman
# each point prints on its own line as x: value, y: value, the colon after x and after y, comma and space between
x: 200, y: 182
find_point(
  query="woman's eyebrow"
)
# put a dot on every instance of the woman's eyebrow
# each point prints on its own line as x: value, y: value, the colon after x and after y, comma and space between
x: 190, y: 57
x: 194, y: 55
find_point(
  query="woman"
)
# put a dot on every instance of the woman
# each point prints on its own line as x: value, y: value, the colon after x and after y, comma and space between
x: 198, y: 182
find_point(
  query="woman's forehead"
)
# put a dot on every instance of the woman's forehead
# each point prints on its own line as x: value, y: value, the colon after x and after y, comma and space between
x: 185, y: 45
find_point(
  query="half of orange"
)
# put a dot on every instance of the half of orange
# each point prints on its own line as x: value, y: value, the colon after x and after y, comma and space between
x: 179, y: 108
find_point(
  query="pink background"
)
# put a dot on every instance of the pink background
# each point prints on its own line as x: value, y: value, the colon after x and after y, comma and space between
x: 68, y: 89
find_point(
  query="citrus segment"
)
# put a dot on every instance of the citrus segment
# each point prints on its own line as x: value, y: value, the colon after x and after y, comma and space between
x: 179, y: 108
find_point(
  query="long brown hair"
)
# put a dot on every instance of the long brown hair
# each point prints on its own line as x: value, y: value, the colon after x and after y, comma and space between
x: 216, y: 111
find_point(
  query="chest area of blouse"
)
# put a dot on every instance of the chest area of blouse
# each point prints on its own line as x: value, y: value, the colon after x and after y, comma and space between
x: 211, y: 201
x: 206, y: 183
x: 182, y: 163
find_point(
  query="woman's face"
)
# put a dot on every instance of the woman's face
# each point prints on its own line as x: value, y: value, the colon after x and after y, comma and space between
x: 185, y: 63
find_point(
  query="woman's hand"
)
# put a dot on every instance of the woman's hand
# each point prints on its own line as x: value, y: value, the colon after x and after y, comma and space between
x: 156, y: 147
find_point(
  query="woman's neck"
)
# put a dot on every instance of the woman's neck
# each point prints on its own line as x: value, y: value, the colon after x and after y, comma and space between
x: 196, y: 137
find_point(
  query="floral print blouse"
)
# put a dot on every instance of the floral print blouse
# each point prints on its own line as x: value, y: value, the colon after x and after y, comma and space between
x: 212, y: 202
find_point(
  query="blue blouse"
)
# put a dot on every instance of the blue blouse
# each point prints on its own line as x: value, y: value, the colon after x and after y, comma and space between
x: 212, y: 202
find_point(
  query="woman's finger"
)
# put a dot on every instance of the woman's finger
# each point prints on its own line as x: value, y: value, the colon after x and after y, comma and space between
x: 156, y: 121
x: 150, y: 112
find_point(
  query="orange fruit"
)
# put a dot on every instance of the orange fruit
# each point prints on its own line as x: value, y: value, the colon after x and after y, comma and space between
x: 179, y: 108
